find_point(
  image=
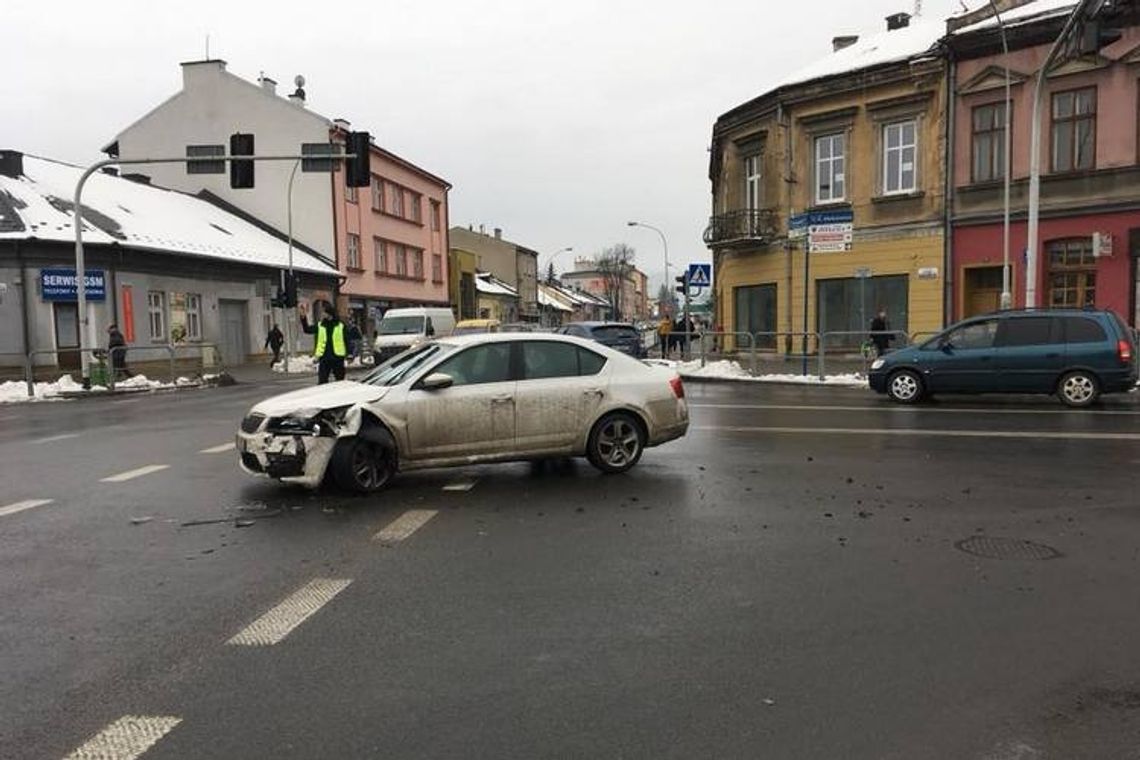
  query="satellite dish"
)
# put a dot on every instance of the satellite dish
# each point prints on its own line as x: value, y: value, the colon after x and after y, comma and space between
x: 299, y: 80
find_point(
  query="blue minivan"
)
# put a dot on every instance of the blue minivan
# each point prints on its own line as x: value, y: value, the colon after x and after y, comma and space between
x: 1073, y: 353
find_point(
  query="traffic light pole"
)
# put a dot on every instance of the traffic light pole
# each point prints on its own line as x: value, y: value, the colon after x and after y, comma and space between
x: 85, y: 339
x: 287, y: 309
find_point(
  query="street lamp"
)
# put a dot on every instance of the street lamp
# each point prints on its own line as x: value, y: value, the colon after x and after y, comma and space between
x: 664, y: 243
x: 1006, y: 295
x: 554, y: 255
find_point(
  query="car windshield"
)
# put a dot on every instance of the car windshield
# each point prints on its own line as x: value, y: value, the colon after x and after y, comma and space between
x: 399, y: 367
x: 405, y: 325
x: 614, y: 333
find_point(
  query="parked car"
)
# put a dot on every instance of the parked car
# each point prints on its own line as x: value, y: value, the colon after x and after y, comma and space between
x: 520, y: 327
x: 402, y: 328
x: 463, y: 400
x: 476, y: 326
x: 619, y: 336
x: 1076, y: 354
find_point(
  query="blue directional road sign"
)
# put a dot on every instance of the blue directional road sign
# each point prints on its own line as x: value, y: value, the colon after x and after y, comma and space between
x: 700, y: 275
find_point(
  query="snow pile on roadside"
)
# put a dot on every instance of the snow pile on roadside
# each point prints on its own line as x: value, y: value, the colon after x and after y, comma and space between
x: 297, y: 365
x: 730, y: 370
x: 17, y: 390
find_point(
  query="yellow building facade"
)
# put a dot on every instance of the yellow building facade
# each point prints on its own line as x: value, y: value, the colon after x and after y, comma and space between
x: 864, y: 145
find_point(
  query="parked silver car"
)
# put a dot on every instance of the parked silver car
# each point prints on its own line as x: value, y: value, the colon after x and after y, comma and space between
x: 464, y: 400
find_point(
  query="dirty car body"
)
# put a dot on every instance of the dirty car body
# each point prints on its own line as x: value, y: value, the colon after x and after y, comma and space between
x: 465, y: 400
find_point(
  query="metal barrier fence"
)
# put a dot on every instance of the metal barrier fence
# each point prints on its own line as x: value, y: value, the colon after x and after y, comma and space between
x: 102, y: 366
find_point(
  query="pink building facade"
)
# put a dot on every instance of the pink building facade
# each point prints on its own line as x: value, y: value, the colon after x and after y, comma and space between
x: 391, y: 239
x: 1089, y: 231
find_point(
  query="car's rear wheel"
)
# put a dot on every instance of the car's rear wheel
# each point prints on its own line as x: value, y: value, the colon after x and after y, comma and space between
x: 1078, y: 389
x: 615, y: 443
x: 905, y: 386
x: 362, y: 465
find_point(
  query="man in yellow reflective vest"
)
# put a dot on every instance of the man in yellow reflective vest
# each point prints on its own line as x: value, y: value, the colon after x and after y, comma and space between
x: 331, y: 347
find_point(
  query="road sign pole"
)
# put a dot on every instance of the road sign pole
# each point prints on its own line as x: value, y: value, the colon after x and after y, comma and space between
x: 807, y: 270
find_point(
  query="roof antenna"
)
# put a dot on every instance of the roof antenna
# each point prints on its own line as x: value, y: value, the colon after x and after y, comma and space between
x: 207, y: 47
x: 917, y: 8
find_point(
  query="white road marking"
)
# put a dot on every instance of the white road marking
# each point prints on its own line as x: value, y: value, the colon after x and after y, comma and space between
x: 20, y: 506
x: 127, y: 738
x: 296, y: 608
x: 404, y: 525
x: 1049, y: 434
x: 131, y: 474
x: 219, y: 449
x: 60, y: 437
x: 461, y: 485
x: 911, y: 409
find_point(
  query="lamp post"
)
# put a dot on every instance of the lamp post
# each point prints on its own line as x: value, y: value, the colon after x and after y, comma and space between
x: 664, y: 244
x: 1006, y: 295
x: 554, y: 255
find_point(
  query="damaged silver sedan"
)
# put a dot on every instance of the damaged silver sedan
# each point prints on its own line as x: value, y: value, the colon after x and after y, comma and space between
x: 467, y: 400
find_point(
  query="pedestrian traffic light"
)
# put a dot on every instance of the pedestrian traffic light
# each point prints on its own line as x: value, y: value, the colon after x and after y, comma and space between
x: 358, y: 172
x: 290, y: 290
x: 683, y: 283
x: 241, y: 170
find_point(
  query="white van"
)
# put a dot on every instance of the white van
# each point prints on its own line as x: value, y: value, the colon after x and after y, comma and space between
x: 400, y: 329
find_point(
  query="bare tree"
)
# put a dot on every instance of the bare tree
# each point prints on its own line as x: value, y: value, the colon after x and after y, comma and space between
x: 615, y: 264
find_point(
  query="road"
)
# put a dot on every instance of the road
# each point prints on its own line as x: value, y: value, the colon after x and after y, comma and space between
x: 811, y: 573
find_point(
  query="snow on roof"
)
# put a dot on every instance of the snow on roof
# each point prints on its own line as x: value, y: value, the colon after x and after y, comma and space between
x: 486, y: 282
x: 127, y: 213
x: 547, y: 296
x: 874, y: 50
x: 1025, y: 14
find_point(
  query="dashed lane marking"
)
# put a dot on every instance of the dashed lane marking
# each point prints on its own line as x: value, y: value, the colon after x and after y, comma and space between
x: 132, y: 474
x: 1044, y: 434
x: 296, y: 608
x: 20, y: 506
x: 460, y: 485
x: 125, y: 739
x: 219, y: 449
x: 404, y: 526
x: 60, y: 437
x: 914, y: 409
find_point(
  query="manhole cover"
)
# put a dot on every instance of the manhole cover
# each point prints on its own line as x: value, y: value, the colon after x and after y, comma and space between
x: 993, y: 547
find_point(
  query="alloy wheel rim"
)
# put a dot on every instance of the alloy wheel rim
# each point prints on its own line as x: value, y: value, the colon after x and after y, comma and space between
x: 1078, y: 388
x: 904, y: 387
x: 366, y: 467
x: 618, y: 443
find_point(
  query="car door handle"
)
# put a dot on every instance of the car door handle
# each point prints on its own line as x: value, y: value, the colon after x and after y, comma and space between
x: 593, y: 392
x: 1052, y: 356
x: 502, y: 399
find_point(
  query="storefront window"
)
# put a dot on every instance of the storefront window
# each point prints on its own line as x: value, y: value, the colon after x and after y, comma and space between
x: 847, y: 306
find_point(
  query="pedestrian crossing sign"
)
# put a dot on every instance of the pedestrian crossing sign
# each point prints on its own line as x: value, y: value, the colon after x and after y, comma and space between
x: 700, y: 275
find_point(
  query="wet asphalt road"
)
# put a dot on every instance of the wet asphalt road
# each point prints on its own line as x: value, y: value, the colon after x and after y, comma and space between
x: 792, y: 580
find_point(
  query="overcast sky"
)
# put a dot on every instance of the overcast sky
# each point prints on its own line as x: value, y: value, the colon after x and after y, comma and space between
x: 556, y: 121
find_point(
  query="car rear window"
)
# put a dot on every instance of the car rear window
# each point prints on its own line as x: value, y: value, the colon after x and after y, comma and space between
x: 615, y: 333
x: 1083, y: 330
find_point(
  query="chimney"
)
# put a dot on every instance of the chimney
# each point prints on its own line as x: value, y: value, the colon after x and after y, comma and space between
x: 342, y: 124
x: 195, y: 73
x: 498, y: 233
x: 11, y: 163
x: 843, y: 41
x: 267, y: 84
x: 898, y: 21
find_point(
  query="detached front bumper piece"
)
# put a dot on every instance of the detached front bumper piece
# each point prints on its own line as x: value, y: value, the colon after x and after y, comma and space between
x: 291, y: 459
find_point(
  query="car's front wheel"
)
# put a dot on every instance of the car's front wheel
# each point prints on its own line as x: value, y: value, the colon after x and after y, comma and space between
x: 1078, y: 389
x: 615, y: 443
x: 362, y: 465
x: 905, y: 386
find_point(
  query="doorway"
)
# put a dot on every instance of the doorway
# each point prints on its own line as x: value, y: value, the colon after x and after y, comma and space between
x: 235, y: 331
x: 66, y: 317
x: 981, y: 290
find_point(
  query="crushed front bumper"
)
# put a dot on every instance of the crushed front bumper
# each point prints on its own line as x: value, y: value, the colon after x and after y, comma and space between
x: 289, y: 458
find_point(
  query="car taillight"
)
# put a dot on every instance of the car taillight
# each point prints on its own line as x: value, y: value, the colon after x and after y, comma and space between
x: 1124, y: 351
x: 677, y: 386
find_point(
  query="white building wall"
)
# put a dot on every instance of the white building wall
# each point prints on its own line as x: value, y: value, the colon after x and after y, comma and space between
x: 214, y: 104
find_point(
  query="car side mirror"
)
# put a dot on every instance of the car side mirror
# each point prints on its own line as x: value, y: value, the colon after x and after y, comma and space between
x: 945, y: 346
x: 437, y: 381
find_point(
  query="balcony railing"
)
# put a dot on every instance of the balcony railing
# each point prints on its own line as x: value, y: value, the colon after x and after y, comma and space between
x: 744, y: 226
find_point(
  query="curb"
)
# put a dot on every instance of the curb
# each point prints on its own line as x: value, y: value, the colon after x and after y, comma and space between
x: 756, y: 381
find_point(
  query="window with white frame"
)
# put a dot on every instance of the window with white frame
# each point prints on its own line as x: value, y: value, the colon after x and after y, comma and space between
x: 830, y: 166
x: 752, y: 182
x: 156, y: 314
x: 417, y: 263
x: 349, y: 191
x: 899, y: 153
x: 380, y: 249
x: 396, y: 195
x: 205, y: 167
x: 401, y: 260
x: 436, y: 222
x: 353, y: 250
x: 377, y: 193
x: 416, y: 201
x: 193, y: 316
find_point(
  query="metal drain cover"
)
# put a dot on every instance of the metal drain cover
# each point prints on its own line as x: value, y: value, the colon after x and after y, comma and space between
x: 994, y: 547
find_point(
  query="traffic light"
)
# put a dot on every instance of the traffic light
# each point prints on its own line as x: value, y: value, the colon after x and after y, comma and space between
x: 286, y: 296
x: 683, y: 283
x: 358, y: 172
x: 241, y: 171
x: 1094, y: 34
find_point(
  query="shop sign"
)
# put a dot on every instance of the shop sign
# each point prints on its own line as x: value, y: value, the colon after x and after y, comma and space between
x: 60, y: 285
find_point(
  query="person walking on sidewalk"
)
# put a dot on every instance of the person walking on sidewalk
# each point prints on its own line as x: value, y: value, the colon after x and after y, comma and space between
x: 117, y: 349
x: 273, y: 341
x: 331, y: 348
x: 664, y: 328
x: 880, y: 335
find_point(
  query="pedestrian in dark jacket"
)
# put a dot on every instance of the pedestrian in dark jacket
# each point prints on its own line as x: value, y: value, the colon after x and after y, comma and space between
x: 880, y: 332
x: 273, y: 341
x: 117, y: 349
x: 355, y: 339
x: 331, y: 346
